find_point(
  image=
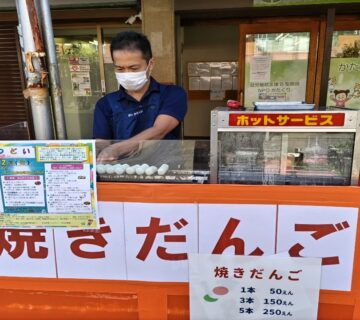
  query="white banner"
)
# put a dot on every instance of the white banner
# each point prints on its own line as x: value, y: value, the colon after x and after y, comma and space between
x: 152, y: 241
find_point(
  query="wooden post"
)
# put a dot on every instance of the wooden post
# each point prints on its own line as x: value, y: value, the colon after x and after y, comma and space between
x: 330, y: 19
x: 159, y: 26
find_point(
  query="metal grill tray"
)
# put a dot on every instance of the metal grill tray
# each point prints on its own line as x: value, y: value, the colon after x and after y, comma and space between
x: 173, y: 176
x: 283, y: 106
x: 187, y: 160
x: 319, y: 179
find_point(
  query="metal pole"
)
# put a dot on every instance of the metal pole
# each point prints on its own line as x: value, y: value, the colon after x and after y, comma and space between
x: 55, y: 86
x: 36, y: 90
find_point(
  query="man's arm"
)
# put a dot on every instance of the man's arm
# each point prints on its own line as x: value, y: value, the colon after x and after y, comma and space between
x: 102, y: 120
x: 162, y: 126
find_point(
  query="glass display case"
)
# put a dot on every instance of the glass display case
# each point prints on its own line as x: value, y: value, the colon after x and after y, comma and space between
x: 160, y: 161
x: 294, y: 148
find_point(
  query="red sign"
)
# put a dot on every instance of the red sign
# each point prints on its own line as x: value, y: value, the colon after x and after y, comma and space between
x: 286, y: 119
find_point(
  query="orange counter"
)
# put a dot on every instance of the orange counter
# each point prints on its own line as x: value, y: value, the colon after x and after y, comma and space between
x: 34, y: 298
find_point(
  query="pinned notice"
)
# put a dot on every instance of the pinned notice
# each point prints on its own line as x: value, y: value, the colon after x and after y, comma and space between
x: 260, y: 69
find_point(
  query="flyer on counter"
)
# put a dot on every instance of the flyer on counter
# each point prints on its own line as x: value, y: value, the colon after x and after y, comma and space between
x: 243, y: 287
x: 48, y: 184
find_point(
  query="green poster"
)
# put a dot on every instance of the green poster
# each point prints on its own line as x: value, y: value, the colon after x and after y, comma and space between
x: 287, y: 82
x: 344, y: 83
x: 269, y: 3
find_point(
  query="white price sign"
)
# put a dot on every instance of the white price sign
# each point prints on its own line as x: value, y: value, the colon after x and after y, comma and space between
x: 242, y: 287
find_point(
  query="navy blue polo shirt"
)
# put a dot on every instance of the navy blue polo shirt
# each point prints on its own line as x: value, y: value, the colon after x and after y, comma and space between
x: 119, y: 116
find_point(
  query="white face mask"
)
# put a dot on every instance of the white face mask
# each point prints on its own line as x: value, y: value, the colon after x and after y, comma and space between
x: 132, y: 81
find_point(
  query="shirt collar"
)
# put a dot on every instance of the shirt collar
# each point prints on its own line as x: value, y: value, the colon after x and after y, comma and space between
x: 154, y: 86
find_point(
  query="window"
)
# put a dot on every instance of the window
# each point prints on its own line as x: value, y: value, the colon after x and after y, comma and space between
x: 278, y: 59
x: 344, y: 81
x: 86, y: 73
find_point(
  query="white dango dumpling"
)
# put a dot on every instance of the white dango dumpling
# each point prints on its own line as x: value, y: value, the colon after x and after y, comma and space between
x: 141, y: 170
x: 100, y: 169
x: 163, y: 169
x: 108, y: 166
x: 110, y: 169
x: 116, y: 166
x: 132, y: 169
x: 150, y: 171
x: 120, y: 168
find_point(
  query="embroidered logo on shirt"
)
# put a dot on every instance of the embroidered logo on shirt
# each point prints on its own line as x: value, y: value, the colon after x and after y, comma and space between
x: 135, y: 113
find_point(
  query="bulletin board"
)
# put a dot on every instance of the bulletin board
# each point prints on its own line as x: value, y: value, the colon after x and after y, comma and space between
x: 212, y: 80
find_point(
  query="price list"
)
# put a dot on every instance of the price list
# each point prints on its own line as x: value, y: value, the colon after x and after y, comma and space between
x: 278, y: 304
x: 234, y: 287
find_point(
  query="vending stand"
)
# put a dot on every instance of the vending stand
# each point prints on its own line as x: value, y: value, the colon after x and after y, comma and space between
x: 285, y: 147
x: 268, y: 183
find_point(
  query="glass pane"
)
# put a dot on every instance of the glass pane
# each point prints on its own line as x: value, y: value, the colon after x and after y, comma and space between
x: 276, y: 67
x: 286, y: 158
x: 78, y: 59
x: 344, y: 80
x: 109, y: 34
x: 15, y: 131
x: 169, y: 161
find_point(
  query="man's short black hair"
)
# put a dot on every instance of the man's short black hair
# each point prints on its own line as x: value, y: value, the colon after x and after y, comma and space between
x: 131, y: 40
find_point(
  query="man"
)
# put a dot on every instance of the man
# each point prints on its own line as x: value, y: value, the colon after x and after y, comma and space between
x: 142, y: 109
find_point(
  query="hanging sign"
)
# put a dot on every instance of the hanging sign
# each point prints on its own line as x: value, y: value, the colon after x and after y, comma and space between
x: 286, y: 119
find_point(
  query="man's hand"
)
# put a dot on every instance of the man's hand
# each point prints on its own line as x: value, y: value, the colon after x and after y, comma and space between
x: 101, y: 144
x: 162, y: 126
x: 116, y: 150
